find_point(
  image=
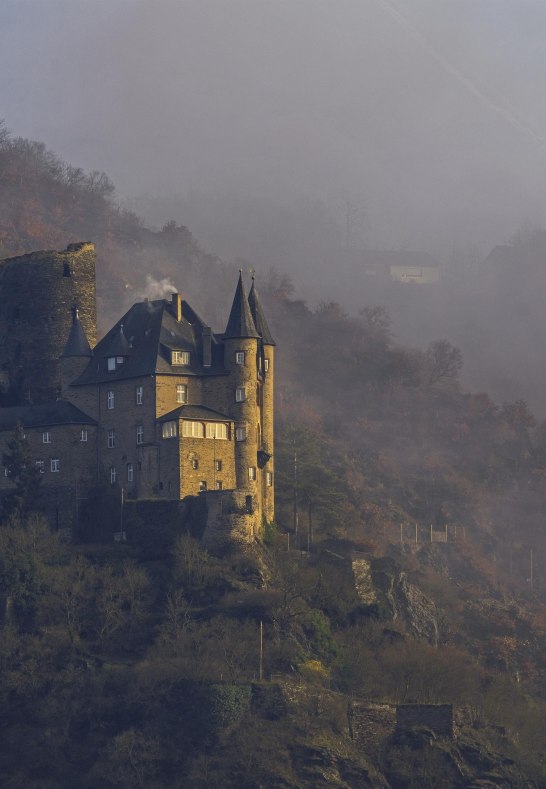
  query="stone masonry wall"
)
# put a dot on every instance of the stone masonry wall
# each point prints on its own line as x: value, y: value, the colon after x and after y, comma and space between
x: 231, y: 519
x: 37, y: 293
x: 63, y: 491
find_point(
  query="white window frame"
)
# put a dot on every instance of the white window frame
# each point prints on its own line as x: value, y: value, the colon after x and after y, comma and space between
x: 197, y: 429
x: 218, y: 484
x: 139, y: 394
x: 140, y: 434
x: 55, y: 465
x: 269, y: 479
x: 240, y: 394
x: 194, y: 464
x: 40, y: 465
x: 240, y: 434
x: 218, y: 430
x: 111, y: 439
x: 111, y: 364
x: 110, y: 399
x: 252, y: 473
x: 180, y: 358
x: 83, y: 435
x: 169, y: 429
x: 130, y: 472
x: 113, y: 475
x: 203, y: 486
x: 46, y: 437
x: 181, y: 393
x: 266, y: 365
x: 239, y: 357
x: 218, y: 465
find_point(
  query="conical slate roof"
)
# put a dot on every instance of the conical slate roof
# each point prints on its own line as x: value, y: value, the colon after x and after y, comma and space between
x: 240, y: 323
x: 258, y: 316
x: 120, y: 345
x: 77, y: 343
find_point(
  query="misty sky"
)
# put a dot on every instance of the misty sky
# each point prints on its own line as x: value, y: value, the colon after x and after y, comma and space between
x: 432, y: 112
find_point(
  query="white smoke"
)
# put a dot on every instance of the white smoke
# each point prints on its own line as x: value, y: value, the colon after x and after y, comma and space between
x: 156, y: 288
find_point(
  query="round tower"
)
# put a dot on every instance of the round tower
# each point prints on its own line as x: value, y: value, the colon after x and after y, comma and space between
x: 241, y: 349
x: 266, y: 371
x: 37, y: 293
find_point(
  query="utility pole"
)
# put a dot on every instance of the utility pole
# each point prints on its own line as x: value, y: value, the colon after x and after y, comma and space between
x: 261, y: 650
x: 296, y: 516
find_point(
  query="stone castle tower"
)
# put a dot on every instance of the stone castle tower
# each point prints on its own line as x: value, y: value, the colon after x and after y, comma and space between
x: 161, y: 406
x: 37, y: 294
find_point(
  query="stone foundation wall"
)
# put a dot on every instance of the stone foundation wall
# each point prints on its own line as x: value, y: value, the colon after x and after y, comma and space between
x: 232, y: 518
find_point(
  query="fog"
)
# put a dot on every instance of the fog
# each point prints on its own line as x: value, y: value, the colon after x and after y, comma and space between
x: 290, y: 132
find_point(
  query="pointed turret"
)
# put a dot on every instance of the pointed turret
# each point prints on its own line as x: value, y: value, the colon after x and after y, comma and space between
x: 75, y: 359
x: 240, y: 324
x: 258, y: 316
x: 119, y: 345
x: 77, y: 344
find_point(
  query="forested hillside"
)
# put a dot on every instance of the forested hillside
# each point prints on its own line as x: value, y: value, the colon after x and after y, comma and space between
x: 138, y: 664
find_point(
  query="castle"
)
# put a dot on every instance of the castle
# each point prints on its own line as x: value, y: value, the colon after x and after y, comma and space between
x: 161, y: 407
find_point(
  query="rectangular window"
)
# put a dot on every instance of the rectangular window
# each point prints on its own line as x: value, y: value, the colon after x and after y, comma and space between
x: 218, y: 465
x: 181, y: 393
x: 193, y: 429
x: 46, y: 437
x: 130, y: 472
x: 218, y: 484
x: 113, y: 475
x: 269, y: 479
x: 111, y: 438
x: 40, y: 465
x: 120, y: 359
x: 139, y: 392
x: 110, y: 400
x: 266, y: 365
x: 240, y: 434
x: 55, y: 465
x: 202, y: 485
x: 83, y: 435
x: 252, y: 472
x: 169, y: 430
x: 111, y: 364
x: 240, y: 394
x: 239, y: 357
x: 180, y: 357
x: 195, y: 464
x: 140, y: 434
x: 216, y: 430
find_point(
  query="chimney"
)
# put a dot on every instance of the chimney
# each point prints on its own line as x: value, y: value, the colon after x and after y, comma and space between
x: 176, y: 306
x: 207, y: 346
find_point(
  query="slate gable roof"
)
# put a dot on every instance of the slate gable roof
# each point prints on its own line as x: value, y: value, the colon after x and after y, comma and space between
x: 240, y: 322
x: 44, y: 415
x: 258, y: 316
x: 77, y: 343
x: 152, y: 332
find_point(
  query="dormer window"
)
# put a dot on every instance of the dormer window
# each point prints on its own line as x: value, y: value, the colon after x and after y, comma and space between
x: 180, y: 357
